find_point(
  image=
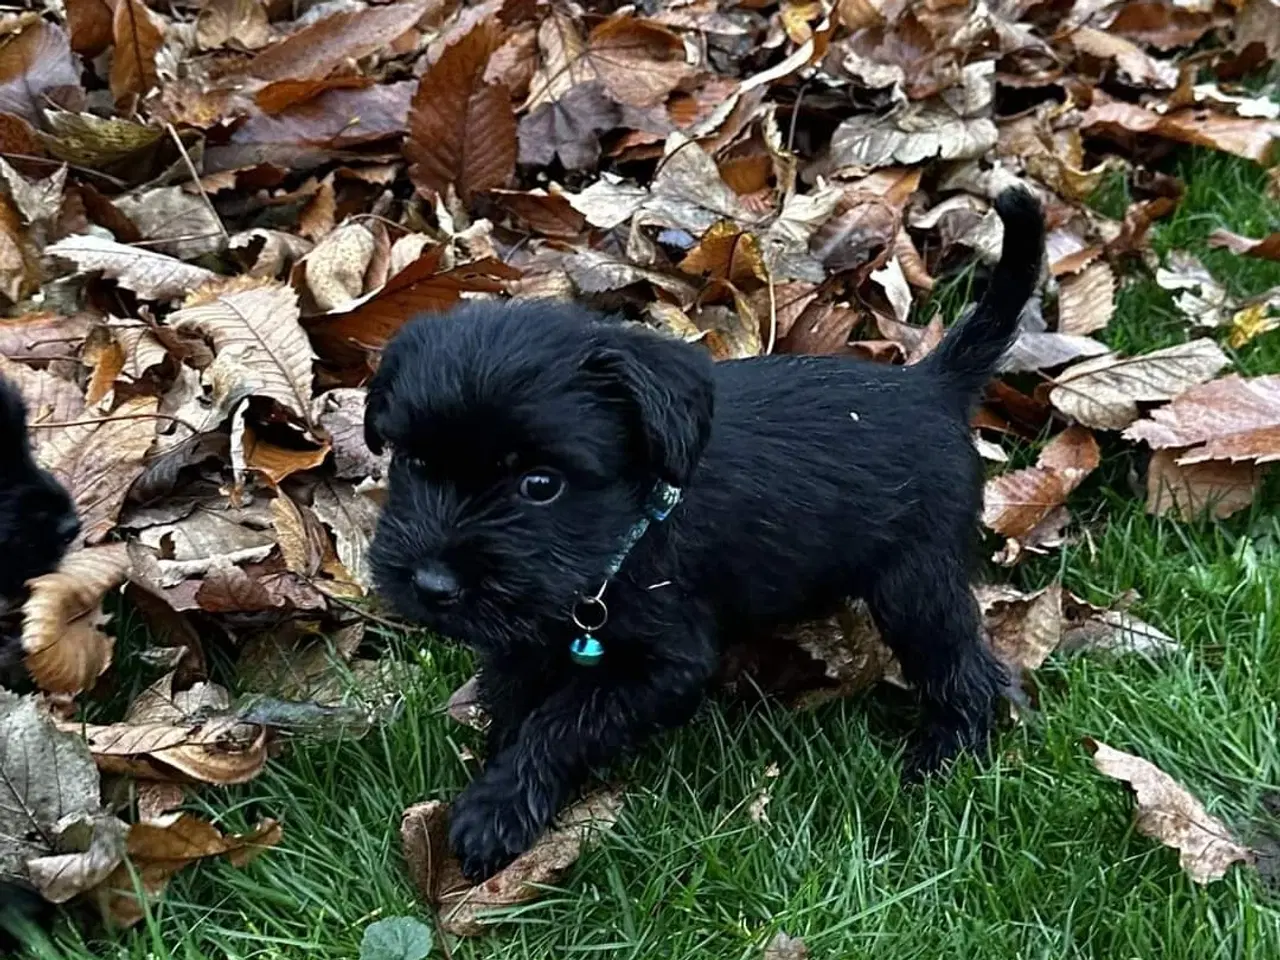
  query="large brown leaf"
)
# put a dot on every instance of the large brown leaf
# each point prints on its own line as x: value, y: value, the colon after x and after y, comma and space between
x: 462, y: 130
x: 462, y: 906
x: 256, y: 324
x: 160, y: 848
x: 90, y: 25
x: 35, y: 62
x: 138, y: 36
x: 1104, y: 393
x: 314, y: 51
x: 1167, y: 811
x: 1016, y: 503
x: 66, y: 651
x: 1235, y: 418
x: 1248, y: 137
x: 97, y: 459
x: 1220, y: 486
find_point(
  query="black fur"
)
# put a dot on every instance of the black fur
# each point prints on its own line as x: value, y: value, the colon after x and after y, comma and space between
x: 37, y: 523
x: 806, y: 480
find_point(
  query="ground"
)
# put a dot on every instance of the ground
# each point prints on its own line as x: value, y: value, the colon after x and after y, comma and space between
x: 1035, y: 856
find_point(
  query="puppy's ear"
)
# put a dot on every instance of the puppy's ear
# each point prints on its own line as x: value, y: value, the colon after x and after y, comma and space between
x: 668, y: 386
x: 377, y: 403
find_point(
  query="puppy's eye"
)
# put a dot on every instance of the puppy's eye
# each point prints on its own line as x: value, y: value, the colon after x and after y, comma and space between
x: 541, y: 486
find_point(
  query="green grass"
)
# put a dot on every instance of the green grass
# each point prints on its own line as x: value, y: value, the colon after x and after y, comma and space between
x: 1034, y: 856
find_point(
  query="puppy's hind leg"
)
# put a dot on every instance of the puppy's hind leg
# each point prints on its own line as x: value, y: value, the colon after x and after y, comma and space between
x: 927, y: 615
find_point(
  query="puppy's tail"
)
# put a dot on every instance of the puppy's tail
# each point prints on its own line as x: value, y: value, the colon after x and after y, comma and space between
x: 968, y: 355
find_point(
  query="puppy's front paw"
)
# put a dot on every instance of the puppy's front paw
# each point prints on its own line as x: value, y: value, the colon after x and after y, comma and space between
x: 490, y: 826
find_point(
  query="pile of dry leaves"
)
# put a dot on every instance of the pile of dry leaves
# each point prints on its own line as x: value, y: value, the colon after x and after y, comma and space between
x: 213, y: 217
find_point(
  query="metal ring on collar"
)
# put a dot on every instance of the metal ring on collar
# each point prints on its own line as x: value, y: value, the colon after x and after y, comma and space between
x: 598, y: 616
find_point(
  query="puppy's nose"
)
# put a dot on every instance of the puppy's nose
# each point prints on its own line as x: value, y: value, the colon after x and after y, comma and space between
x: 68, y: 527
x: 437, y: 585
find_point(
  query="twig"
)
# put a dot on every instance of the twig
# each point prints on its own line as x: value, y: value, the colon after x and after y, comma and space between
x: 773, y: 317
x: 114, y: 181
x: 396, y: 625
x: 113, y: 418
x: 195, y: 176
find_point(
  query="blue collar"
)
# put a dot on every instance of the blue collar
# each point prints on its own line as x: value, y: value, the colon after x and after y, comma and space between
x: 590, y: 613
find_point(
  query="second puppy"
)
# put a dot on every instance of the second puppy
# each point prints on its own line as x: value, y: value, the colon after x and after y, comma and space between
x: 595, y: 508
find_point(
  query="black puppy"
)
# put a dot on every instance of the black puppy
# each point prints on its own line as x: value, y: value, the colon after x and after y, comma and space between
x: 532, y: 444
x: 37, y: 524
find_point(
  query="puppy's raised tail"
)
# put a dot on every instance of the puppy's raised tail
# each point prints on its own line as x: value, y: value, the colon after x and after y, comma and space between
x: 969, y: 353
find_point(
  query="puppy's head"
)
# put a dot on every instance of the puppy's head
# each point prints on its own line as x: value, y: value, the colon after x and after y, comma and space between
x: 525, y: 439
x: 37, y: 518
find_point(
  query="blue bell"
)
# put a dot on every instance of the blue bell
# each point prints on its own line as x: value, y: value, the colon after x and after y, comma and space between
x: 586, y: 650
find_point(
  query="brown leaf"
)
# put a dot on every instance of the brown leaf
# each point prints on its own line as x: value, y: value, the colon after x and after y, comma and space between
x: 314, y: 51
x: 90, y: 848
x: 19, y: 260
x: 1166, y: 811
x: 96, y: 460
x: 184, y: 737
x: 1235, y: 418
x: 421, y: 287
x: 352, y: 516
x: 138, y: 35
x: 90, y: 25
x: 1136, y: 67
x: 1245, y: 137
x: 1024, y: 627
x: 462, y: 130
x: 256, y: 324
x: 276, y: 462
x: 638, y: 61
x: 1086, y: 300
x: 462, y: 907
x: 923, y: 131
x: 66, y: 651
x: 237, y: 23
x: 335, y: 269
x: 1043, y: 351
x: 300, y: 668
x: 1091, y: 629
x: 1219, y: 486
x: 568, y: 128
x: 341, y: 414
x: 152, y: 275
x: 160, y: 848
x: 1015, y: 503
x: 783, y: 947
x: 1104, y: 392
x: 1268, y: 248
x: 33, y: 65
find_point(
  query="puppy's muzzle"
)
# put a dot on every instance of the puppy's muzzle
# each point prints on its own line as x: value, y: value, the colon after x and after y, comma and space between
x: 436, y: 585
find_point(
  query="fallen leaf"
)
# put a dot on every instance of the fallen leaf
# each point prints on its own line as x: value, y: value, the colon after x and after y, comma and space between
x: 1025, y: 628
x: 920, y: 132
x: 1250, y: 323
x: 396, y: 938
x: 1218, y: 486
x: 1016, y: 503
x: 341, y: 414
x: 1268, y: 248
x: 257, y: 324
x: 152, y: 275
x: 463, y: 909
x: 568, y: 128
x: 1202, y: 299
x: 66, y: 650
x: 97, y: 459
x: 638, y: 61
x: 1166, y: 811
x: 238, y: 23
x: 157, y: 850
x: 90, y: 25
x: 89, y: 849
x: 1092, y: 629
x: 1044, y: 351
x: 35, y: 62
x: 1245, y: 137
x: 783, y: 947
x: 335, y: 269
x: 19, y: 264
x: 462, y: 130
x: 186, y: 737
x: 46, y: 777
x: 316, y: 49
x: 184, y: 222
x: 1104, y: 392
x: 1086, y: 300
x: 352, y: 517
x: 276, y: 462
x: 138, y: 34
x: 1235, y: 418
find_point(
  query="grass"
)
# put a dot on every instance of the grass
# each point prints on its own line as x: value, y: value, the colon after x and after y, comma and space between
x: 1034, y: 856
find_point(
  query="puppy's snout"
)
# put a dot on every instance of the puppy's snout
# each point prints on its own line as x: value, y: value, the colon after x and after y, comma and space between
x: 437, y: 585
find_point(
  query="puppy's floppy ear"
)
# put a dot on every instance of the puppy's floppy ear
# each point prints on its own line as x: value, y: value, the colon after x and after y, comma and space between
x: 668, y: 385
x: 377, y: 403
